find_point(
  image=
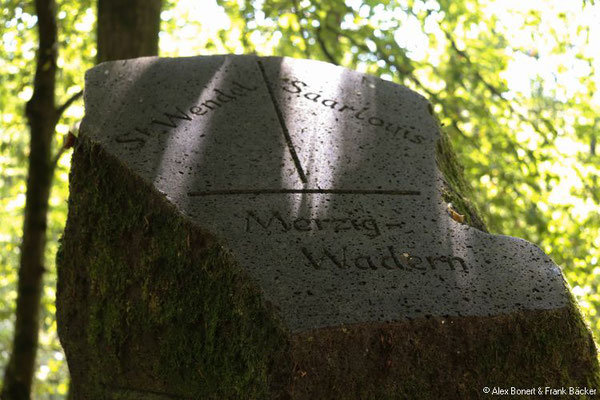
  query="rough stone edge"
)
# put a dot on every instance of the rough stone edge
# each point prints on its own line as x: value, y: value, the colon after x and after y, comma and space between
x: 457, y: 190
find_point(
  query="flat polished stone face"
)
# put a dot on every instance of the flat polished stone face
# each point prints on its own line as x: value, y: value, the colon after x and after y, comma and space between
x: 322, y: 182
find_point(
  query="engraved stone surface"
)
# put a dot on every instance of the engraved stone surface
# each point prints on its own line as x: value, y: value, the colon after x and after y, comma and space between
x: 321, y: 182
x: 268, y: 228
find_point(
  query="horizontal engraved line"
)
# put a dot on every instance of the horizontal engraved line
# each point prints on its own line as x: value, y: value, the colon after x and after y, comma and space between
x: 304, y: 191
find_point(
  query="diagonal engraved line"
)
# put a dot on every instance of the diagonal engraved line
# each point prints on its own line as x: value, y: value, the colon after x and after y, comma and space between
x: 303, y: 191
x: 286, y: 133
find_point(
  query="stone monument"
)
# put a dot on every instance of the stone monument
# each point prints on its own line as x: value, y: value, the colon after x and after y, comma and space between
x: 252, y: 228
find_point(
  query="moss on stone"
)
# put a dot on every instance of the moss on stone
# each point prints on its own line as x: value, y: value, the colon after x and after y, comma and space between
x: 160, y: 304
x: 457, y: 190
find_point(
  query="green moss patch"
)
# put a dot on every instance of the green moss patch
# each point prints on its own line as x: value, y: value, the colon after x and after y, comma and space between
x: 147, y: 301
x: 457, y: 190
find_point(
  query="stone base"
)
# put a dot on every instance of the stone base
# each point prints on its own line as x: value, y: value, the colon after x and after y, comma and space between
x: 151, y: 307
x: 443, y: 358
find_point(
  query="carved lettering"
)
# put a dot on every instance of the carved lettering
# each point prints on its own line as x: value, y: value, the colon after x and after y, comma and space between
x: 366, y: 264
x: 170, y: 119
x: 339, y: 263
x: 376, y: 121
x: 388, y: 260
x: 345, y: 107
x: 275, y: 216
x: 414, y: 262
x: 223, y: 97
x: 463, y: 265
x: 368, y: 226
x: 298, y: 87
x: 385, y: 260
x: 433, y: 261
x: 371, y: 226
x: 359, y: 114
x: 208, y: 105
x: 198, y: 110
x: 330, y: 103
x: 341, y: 224
x: 312, y: 96
x: 302, y: 224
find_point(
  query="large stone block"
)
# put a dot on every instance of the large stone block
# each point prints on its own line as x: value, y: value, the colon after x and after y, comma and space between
x: 244, y: 227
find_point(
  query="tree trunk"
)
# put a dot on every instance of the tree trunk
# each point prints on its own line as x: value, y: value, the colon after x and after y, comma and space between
x: 127, y: 29
x: 42, y: 116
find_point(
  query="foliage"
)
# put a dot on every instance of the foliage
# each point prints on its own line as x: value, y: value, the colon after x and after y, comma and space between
x: 515, y: 90
x: 17, y: 67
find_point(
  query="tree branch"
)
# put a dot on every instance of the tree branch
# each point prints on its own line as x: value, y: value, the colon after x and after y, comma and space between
x: 56, y: 158
x: 60, y: 110
x: 323, y: 46
x: 496, y: 92
x: 302, y: 30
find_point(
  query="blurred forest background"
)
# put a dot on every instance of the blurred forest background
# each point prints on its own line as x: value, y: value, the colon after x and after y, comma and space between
x: 514, y: 84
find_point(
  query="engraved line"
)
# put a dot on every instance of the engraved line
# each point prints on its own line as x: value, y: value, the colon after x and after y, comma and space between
x: 286, y: 133
x: 303, y: 191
